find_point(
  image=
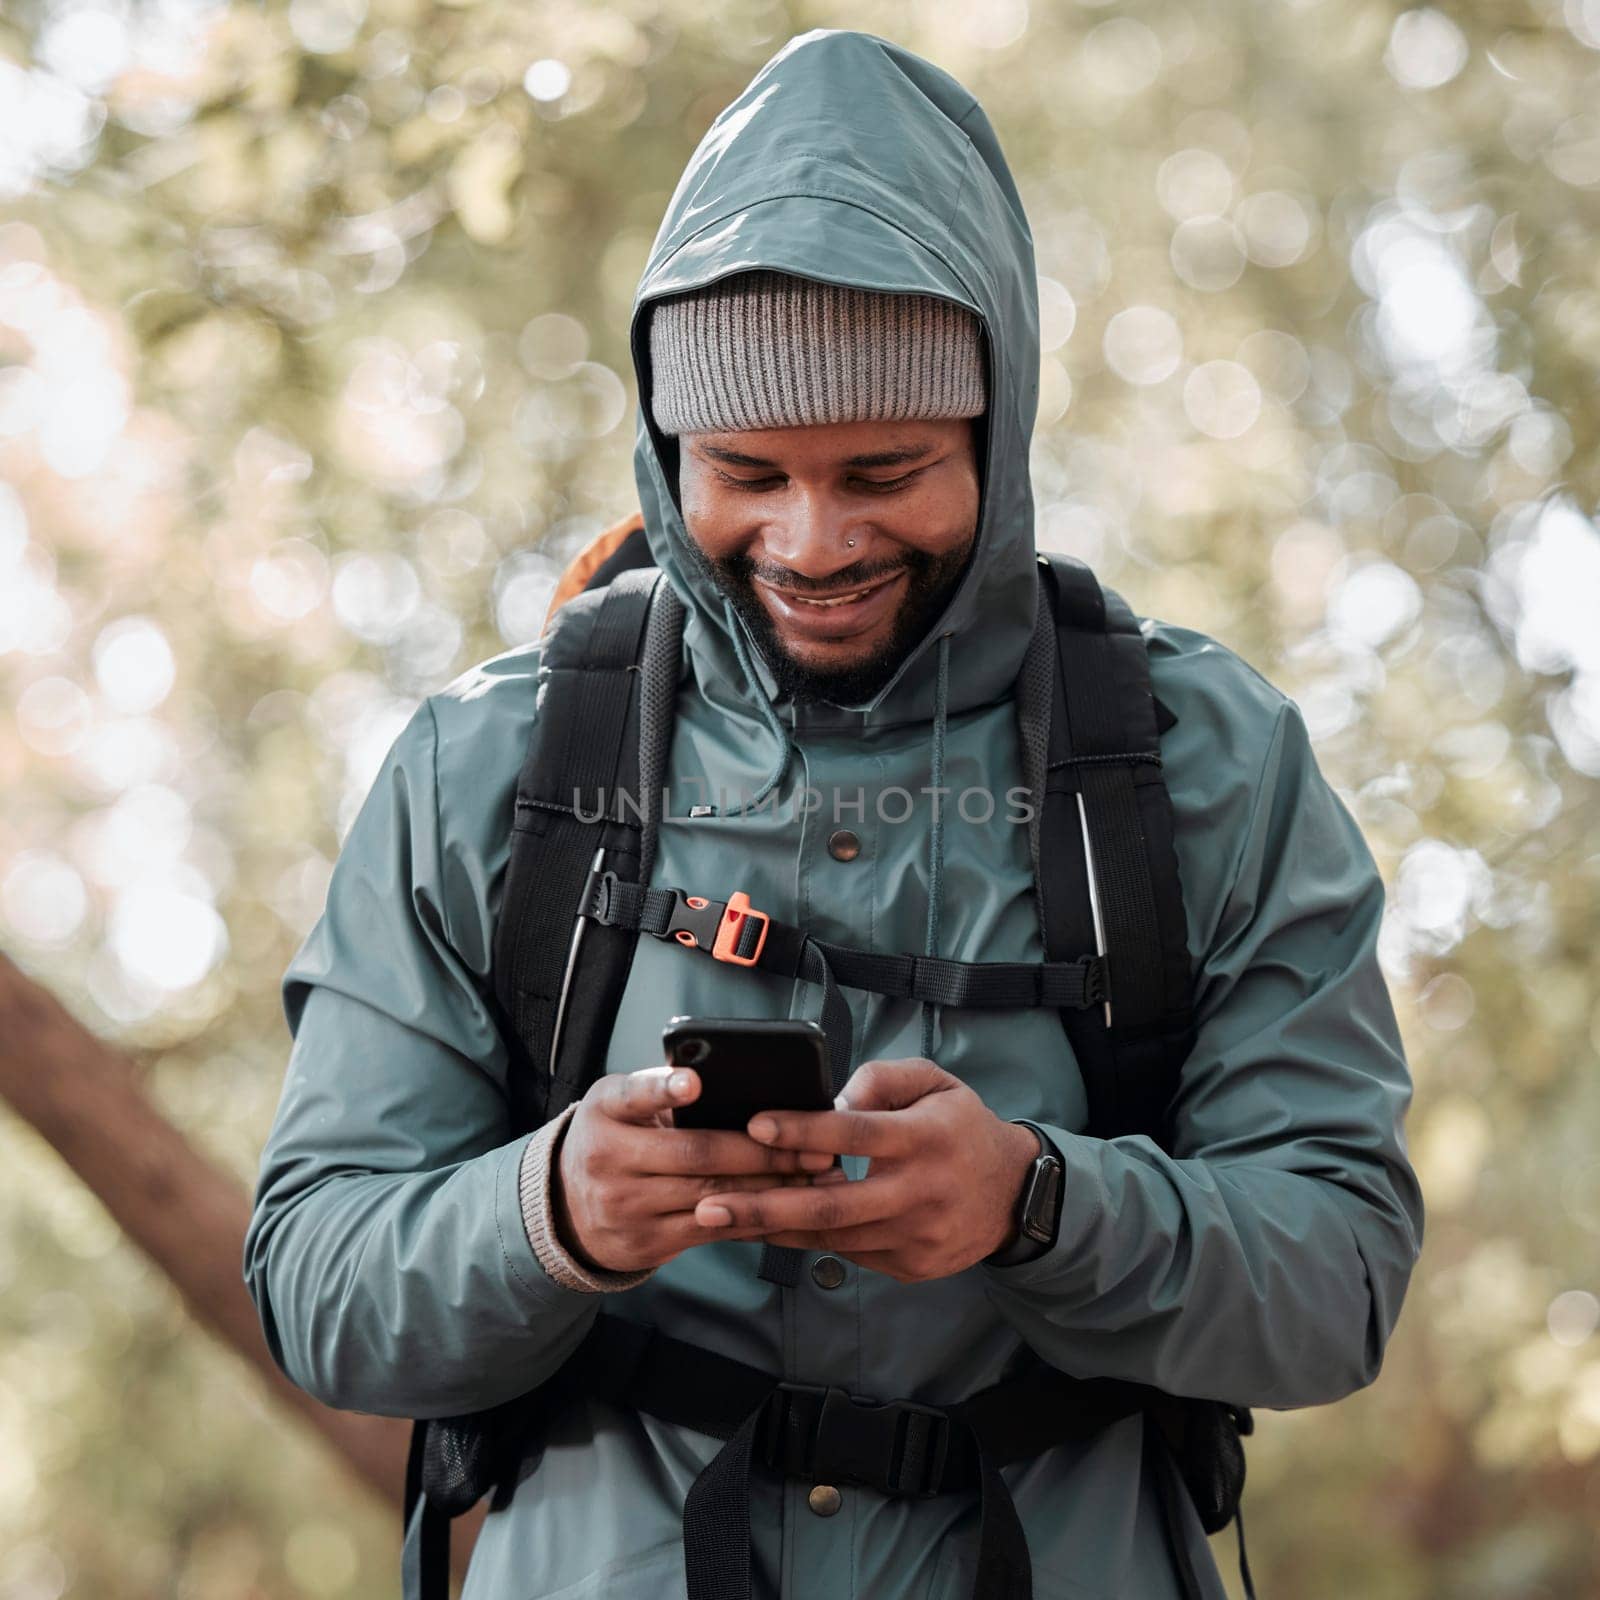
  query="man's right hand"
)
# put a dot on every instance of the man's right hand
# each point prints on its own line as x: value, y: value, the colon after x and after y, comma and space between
x: 627, y: 1181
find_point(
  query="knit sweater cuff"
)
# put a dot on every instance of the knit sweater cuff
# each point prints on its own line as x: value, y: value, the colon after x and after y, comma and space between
x: 539, y: 1157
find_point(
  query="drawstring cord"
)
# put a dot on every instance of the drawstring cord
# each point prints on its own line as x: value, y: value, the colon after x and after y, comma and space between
x: 779, y: 1264
x: 941, y: 707
x: 773, y: 721
x: 774, y: 725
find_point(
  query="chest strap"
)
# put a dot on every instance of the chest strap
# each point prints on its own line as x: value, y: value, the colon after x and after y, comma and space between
x: 738, y: 933
x: 734, y: 931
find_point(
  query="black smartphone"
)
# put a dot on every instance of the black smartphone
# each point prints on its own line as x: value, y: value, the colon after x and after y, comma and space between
x: 748, y: 1065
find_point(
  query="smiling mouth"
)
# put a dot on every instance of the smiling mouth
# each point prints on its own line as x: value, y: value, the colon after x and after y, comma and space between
x: 827, y: 602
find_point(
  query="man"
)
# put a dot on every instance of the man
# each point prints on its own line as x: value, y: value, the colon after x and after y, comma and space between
x: 836, y: 346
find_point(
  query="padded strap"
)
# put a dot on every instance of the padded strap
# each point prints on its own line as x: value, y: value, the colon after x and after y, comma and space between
x: 1104, y: 789
x: 1107, y: 731
x: 579, y: 776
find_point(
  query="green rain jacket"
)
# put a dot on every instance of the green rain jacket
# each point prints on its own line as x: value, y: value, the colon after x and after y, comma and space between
x: 1264, y: 1263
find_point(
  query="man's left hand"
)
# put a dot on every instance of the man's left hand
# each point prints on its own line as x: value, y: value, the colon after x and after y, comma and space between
x: 941, y: 1191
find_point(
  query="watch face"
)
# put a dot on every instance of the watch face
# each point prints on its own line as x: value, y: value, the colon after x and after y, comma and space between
x: 1039, y: 1214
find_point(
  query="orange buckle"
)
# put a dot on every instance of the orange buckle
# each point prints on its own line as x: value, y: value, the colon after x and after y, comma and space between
x: 733, y: 920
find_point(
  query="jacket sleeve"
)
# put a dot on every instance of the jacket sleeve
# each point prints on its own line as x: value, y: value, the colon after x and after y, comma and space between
x: 1265, y: 1261
x: 386, y: 1252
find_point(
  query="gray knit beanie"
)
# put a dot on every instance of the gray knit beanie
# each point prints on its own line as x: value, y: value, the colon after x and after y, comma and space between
x: 770, y: 350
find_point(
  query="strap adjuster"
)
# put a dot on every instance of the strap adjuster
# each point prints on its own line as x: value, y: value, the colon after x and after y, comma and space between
x: 597, y: 894
x: 732, y: 940
x: 1096, y: 980
x: 897, y: 1447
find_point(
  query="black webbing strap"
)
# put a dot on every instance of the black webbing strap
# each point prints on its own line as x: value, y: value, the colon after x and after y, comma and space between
x: 425, y: 1553
x: 1006, y: 985
x: 1169, y: 1486
x: 826, y: 1435
x: 756, y: 939
x: 745, y: 935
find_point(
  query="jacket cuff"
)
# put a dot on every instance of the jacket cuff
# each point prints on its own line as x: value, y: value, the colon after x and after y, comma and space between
x: 539, y: 1157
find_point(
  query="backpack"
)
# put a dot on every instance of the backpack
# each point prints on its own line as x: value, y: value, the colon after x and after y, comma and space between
x: 1117, y: 968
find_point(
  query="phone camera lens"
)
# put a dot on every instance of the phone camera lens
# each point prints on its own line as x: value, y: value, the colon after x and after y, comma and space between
x: 692, y: 1051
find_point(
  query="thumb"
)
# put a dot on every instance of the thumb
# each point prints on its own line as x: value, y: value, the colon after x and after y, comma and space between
x: 891, y: 1085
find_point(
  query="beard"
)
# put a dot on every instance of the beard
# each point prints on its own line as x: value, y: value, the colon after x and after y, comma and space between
x: 931, y: 581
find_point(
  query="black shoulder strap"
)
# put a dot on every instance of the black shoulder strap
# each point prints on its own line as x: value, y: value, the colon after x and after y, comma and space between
x: 1108, y: 881
x: 580, y: 800
x: 1108, y: 868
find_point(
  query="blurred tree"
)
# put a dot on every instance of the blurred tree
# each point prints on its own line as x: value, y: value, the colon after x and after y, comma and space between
x: 313, y: 373
x: 187, y: 1217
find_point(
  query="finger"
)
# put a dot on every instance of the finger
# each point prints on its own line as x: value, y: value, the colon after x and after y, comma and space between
x: 883, y: 1236
x: 665, y: 1197
x: 848, y: 1133
x: 639, y: 1097
x: 703, y: 1151
x: 813, y: 1209
x: 893, y: 1085
x: 679, y: 1231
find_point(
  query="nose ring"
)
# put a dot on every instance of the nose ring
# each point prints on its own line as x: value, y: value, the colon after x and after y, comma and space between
x: 850, y: 543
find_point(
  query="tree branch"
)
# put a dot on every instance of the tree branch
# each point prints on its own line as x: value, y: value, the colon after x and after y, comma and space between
x: 84, y: 1097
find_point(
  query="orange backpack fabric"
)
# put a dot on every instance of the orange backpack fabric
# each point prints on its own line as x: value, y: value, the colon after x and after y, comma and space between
x: 584, y: 565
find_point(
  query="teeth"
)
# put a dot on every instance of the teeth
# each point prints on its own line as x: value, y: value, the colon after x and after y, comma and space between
x: 840, y: 599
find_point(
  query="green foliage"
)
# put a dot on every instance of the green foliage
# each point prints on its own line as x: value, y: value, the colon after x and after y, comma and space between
x: 313, y: 373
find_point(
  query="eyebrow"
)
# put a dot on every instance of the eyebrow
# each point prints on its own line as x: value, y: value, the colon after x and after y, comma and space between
x: 878, y: 458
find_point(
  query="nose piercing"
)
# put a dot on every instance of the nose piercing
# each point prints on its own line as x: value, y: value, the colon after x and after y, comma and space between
x: 850, y: 543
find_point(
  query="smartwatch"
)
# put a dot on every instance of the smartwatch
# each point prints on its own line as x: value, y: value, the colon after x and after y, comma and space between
x: 1038, y: 1208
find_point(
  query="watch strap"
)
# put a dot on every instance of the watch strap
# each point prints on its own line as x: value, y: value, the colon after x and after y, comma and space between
x: 1046, y: 1170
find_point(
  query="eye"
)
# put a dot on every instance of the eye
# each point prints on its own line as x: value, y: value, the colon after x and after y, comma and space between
x: 759, y: 485
x: 887, y: 485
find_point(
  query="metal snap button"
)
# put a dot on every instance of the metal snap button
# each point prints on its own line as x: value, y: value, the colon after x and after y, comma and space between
x: 824, y: 1499
x: 843, y: 845
x: 827, y: 1272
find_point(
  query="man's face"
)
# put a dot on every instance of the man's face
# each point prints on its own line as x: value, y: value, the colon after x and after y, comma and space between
x: 770, y: 510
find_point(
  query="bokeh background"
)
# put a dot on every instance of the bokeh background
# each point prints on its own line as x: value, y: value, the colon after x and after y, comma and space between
x: 313, y: 374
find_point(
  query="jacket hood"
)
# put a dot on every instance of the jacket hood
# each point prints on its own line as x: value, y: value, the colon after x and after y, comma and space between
x: 850, y: 160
